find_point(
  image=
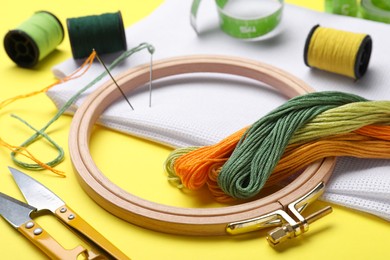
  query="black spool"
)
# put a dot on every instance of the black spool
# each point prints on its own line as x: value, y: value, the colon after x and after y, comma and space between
x: 307, y: 44
x: 22, y: 48
x: 363, y: 57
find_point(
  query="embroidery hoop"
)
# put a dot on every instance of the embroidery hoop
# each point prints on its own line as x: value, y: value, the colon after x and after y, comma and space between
x: 176, y: 220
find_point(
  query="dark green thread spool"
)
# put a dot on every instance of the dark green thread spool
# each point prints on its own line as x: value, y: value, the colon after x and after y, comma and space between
x: 34, y: 39
x: 105, y: 33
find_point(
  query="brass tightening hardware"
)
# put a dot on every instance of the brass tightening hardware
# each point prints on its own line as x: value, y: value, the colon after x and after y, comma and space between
x: 290, y: 225
x: 287, y: 231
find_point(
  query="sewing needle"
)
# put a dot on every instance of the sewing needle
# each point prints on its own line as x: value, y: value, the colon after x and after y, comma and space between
x: 150, y: 79
x: 104, y: 65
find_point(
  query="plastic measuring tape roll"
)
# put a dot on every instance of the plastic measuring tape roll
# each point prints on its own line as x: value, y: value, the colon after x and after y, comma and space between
x: 343, y: 7
x: 244, y: 19
x: 34, y: 39
x: 376, y: 10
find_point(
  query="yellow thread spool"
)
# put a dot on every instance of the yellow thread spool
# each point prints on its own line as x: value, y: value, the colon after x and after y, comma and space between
x: 337, y: 51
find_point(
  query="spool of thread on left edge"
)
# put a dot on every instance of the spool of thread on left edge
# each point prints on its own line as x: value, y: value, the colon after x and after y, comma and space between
x: 34, y: 39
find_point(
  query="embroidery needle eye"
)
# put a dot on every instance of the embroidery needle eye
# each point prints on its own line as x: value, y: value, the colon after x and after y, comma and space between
x: 150, y: 79
x: 104, y: 65
x: 151, y: 51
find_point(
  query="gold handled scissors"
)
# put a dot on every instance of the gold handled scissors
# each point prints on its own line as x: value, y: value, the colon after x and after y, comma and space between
x: 40, y: 199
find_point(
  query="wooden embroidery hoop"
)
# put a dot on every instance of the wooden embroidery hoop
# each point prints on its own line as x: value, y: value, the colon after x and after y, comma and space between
x: 168, y: 219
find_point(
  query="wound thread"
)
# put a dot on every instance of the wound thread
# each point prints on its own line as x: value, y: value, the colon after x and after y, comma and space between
x: 336, y: 51
x: 34, y: 39
x: 105, y: 33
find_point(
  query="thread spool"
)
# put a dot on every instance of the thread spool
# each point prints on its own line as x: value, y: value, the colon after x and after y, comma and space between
x: 341, y: 52
x: 34, y: 39
x: 105, y: 33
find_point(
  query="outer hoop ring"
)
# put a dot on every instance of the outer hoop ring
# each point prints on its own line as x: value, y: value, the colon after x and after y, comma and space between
x: 170, y: 219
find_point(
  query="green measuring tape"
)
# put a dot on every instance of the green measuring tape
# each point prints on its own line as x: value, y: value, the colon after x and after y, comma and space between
x: 376, y: 10
x: 343, y: 7
x: 244, y: 26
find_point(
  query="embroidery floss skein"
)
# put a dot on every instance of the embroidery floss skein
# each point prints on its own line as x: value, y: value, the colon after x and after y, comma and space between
x: 34, y: 39
x: 194, y: 167
x: 298, y: 156
x: 278, y: 126
x: 337, y: 51
x: 105, y: 33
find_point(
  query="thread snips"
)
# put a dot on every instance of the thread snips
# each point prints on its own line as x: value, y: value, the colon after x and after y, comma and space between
x: 41, y: 200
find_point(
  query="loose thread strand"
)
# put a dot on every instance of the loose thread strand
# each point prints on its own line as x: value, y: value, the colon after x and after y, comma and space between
x: 38, y: 133
x: 24, y: 152
x: 74, y: 75
x: 16, y: 150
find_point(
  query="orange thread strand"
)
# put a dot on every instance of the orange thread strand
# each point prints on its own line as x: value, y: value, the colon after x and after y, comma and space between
x: 73, y: 75
x: 24, y: 152
x: 193, y: 168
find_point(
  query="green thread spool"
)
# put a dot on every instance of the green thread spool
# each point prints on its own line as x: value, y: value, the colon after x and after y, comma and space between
x: 105, y: 33
x: 34, y: 39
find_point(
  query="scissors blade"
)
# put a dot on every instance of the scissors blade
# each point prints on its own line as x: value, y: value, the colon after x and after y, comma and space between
x: 42, y: 198
x: 35, y: 193
x: 14, y: 211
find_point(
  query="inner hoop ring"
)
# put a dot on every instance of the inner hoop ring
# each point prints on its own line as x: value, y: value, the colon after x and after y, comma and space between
x: 176, y: 220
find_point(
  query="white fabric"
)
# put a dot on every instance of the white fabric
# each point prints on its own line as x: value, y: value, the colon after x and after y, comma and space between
x: 203, y: 109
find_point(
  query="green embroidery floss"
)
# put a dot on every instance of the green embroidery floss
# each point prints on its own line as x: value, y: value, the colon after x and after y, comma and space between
x: 34, y: 39
x: 261, y: 147
x: 105, y: 33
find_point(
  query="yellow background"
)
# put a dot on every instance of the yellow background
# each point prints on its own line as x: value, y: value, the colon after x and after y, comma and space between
x: 136, y: 165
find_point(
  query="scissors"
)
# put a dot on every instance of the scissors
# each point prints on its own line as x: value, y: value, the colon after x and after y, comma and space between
x: 41, y: 200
